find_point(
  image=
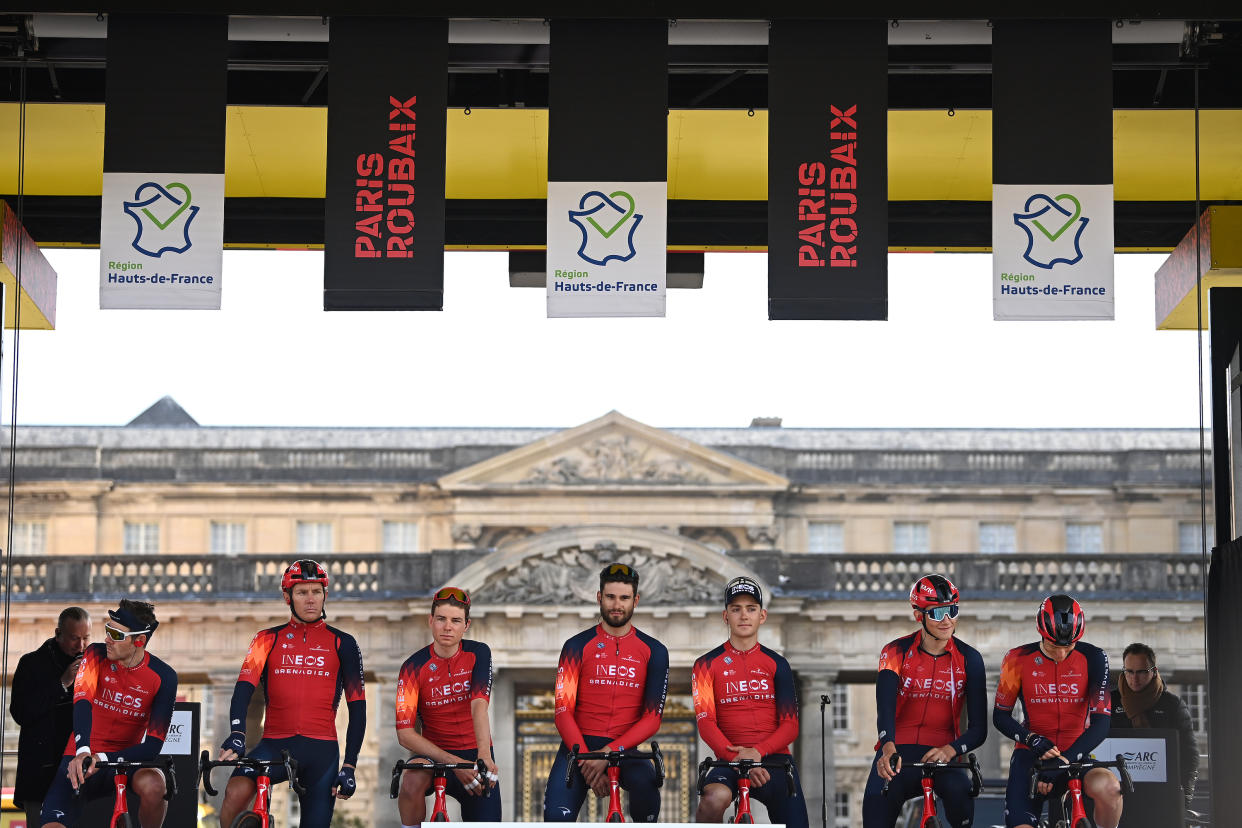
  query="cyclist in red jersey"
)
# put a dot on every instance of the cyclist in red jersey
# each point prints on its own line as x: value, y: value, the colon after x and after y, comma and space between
x: 305, y: 667
x: 122, y: 705
x: 445, y: 687
x: 746, y: 707
x: 1062, y: 682
x: 924, y: 679
x: 611, y: 684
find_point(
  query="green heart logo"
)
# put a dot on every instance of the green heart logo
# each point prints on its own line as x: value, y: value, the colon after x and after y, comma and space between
x: 1068, y: 223
x: 608, y: 233
x: 185, y: 204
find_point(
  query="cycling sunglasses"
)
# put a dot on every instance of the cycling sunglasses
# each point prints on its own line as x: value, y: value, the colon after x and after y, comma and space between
x: 452, y: 594
x: 941, y: 613
x: 117, y: 635
x: 624, y: 570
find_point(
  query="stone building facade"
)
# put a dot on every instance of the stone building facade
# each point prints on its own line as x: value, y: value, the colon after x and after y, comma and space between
x: 835, y: 523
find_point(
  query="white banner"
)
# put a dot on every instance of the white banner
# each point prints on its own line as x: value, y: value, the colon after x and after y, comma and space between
x: 1052, y: 251
x: 180, y: 732
x: 607, y: 246
x: 161, y: 241
x: 1145, y: 759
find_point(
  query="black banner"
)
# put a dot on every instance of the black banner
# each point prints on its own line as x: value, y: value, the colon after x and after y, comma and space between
x: 167, y: 88
x: 1052, y: 102
x: 384, y: 193
x: 608, y: 100
x: 828, y: 169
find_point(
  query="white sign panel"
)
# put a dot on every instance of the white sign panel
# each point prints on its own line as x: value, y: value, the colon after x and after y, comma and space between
x: 1145, y: 759
x: 606, y: 248
x: 180, y: 732
x: 1052, y: 251
x: 161, y: 241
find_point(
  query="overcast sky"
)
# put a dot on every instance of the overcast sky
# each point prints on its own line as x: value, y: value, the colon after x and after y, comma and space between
x: 271, y: 356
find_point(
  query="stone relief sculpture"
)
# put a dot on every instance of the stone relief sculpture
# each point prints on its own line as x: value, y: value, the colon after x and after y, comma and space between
x: 573, y: 571
x: 614, y: 460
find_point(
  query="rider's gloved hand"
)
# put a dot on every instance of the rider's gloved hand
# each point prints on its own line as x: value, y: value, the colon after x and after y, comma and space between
x: 345, y: 783
x: 236, y: 743
x: 1039, y: 745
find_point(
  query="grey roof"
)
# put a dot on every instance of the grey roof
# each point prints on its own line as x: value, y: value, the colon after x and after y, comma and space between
x: 164, y: 413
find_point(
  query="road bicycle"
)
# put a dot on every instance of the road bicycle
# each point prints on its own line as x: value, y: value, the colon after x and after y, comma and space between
x: 929, y: 770
x: 120, y: 783
x: 439, y: 780
x: 614, y: 758
x: 260, y: 815
x: 1074, y: 772
x: 742, y: 814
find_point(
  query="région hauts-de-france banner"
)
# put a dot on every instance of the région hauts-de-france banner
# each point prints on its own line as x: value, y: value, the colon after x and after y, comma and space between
x: 1052, y: 183
x: 161, y: 241
x: 161, y: 227
x: 606, y: 248
x: 1052, y: 251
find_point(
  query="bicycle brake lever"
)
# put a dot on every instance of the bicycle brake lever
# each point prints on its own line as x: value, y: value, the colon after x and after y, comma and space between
x: 570, y: 765
x: 204, y: 771
x: 170, y: 777
x: 658, y: 760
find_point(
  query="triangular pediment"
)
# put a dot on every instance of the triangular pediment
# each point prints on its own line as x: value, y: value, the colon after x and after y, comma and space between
x: 614, y: 451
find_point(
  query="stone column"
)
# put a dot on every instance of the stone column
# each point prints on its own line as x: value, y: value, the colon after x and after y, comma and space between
x: 383, y: 694
x: 988, y: 753
x: 818, y: 780
x: 504, y: 737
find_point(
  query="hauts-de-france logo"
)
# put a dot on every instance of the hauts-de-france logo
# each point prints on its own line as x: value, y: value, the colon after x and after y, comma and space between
x: 1053, y: 228
x: 607, y: 223
x: 163, y: 213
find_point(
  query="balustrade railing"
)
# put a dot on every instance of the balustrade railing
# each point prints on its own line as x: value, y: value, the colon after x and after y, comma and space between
x: 814, y: 577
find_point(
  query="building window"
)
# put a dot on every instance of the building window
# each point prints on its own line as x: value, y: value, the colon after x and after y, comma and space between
x: 1084, y: 538
x: 826, y: 537
x: 400, y: 536
x: 998, y: 538
x: 1195, y: 697
x: 314, y: 537
x: 142, y: 538
x: 29, y: 538
x: 228, y: 538
x: 840, y: 707
x: 841, y: 810
x: 911, y: 538
x: 1190, y: 537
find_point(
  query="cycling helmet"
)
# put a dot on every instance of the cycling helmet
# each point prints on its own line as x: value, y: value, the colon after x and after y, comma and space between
x: 933, y: 590
x: 1061, y: 620
x: 304, y: 572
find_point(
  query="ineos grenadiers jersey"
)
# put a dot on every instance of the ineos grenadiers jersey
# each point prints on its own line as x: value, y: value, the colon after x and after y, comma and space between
x: 610, y: 685
x: 746, y: 699
x: 121, y: 710
x: 1057, y: 699
x: 439, y: 692
x: 919, y: 696
x: 305, y: 669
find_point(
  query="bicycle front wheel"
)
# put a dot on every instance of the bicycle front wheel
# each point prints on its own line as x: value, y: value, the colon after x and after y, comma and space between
x: 1083, y: 823
x: 615, y: 818
x: 746, y: 819
x: 247, y: 820
x: 440, y: 818
x: 931, y: 822
x: 124, y: 821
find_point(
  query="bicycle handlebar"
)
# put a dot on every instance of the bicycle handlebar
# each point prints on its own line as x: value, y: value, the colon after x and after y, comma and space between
x: 437, y: 769
x: 1076, y: 770
x: 615, y: 758
x: 745, y: 766
x: 970, y: 763
x: 165, y: 765
x: 263, y: 766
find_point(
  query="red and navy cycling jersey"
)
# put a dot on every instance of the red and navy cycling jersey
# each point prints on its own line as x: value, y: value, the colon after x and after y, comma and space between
x: 1067, y: 702
x: 305, y: 669
x: 121, y: 710
x: 439, y: 691
x: 746, y: 699
x: 612, y: 686
x: 919, y: 696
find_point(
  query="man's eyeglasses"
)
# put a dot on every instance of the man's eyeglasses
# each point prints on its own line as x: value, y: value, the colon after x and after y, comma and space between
x: 452, y: 594
x: 1137, y: 673
x: 941, y: 613
x: 117, y: 635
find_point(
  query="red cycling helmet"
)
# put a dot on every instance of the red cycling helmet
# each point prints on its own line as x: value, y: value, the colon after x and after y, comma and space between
x: 1061, y: 620
x: 933, y: 590
x: 304, y: 572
